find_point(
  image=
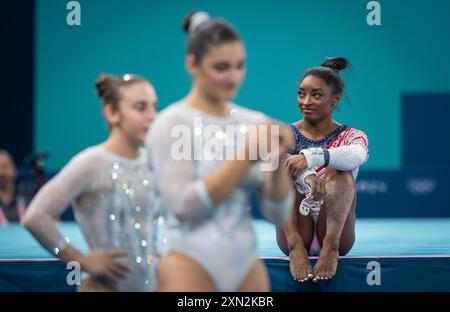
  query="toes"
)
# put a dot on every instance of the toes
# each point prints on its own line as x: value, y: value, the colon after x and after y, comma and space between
x: 302, y: 275
x: 329, y: 276
x: 299, y: 277
x: 294, y: 274
x: 302, y: 280
x: 319, y: 276
x: 299, y: 272
x: 310, y: 273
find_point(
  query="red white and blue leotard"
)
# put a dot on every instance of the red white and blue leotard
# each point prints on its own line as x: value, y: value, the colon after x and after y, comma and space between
x: 342, y: 136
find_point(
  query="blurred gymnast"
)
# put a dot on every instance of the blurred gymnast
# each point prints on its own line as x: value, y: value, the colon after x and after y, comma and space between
x: 109, y: 186
x: 324, y: 166
x: 211, y: 245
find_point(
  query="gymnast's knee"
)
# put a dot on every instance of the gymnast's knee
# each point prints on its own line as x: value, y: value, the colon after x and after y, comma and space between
x: 345, y: 247
x: 282, y: 240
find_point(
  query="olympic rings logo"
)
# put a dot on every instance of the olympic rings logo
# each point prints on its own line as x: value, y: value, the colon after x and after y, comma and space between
x: 421, y: 186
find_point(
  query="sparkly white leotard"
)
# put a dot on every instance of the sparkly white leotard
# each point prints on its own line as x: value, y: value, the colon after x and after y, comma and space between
x: 219, y: 237
x: 114, y: 204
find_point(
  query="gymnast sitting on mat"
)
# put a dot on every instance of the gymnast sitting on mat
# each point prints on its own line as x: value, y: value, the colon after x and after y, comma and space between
x: 324, y: 167
x: 211, y: 245
x: 110, y: 186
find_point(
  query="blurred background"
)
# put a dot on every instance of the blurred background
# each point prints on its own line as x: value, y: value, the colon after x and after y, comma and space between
x: 398, y: 90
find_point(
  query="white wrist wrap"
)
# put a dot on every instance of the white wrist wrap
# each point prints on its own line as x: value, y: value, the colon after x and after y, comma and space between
x: 315, y: 156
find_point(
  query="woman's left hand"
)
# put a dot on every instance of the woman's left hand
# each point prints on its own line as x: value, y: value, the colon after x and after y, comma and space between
x: 296, y: 164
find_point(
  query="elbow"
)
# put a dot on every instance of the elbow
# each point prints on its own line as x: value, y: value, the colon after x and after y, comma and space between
x: 182, y: 212
x: 190, y: 208
x: 366, y: 156
x: 27, y: 221
x: 185, y: 213
x: 278, y: 218
x: 363, y: 154
x: 362, y: 160
x: 31, y: 219
x: 362, y: 157
x: 278, y: 212
x: 193, y: 204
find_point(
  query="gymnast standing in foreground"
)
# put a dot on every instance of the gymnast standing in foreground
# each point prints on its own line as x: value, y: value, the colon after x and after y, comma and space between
x: 324, y: 166
x: 109, y: 186
x: 211, y: 245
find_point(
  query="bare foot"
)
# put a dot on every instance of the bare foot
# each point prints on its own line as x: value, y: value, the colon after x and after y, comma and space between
x: 301, y: 269
x: 326, y: 264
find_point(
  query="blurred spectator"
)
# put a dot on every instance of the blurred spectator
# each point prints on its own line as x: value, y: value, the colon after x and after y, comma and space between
x: 12, y: 204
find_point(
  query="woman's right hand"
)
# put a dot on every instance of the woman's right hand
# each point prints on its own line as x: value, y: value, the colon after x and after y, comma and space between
x: 262, y: 140
x: 106, y: 263
x: 317, y: 186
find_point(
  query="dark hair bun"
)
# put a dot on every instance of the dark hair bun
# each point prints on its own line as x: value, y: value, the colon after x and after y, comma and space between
x: 187, y: 21
x: 103, y: 85
x: 336, y: 63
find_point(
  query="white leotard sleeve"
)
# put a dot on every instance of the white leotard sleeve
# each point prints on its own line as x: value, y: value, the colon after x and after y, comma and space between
x: 52, y: 200
x: 351, y: 154
x: 348, y: 157
x: 277, y: 212
x: 179, y: 188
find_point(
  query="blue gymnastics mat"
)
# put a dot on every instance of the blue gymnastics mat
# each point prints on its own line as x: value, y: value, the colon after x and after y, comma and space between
x: 411, y: 255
